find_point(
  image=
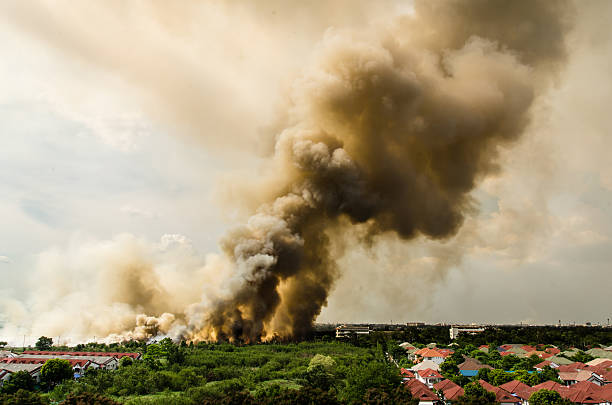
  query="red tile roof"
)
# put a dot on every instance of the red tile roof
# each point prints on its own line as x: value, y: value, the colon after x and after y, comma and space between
x: 513, y: 385
x: 577, y: 366
x: 406, y: 373
x: 444, y: 385
x: 420, y: 391
x: 501, y: 395
x: 552, y: 350
x: 112, y: 354
x: 548, y: 385
x: 429, y: 373
x: 543, y: 364
x: 430, y: 353
x: 453, y: 393
x: 38, y: 360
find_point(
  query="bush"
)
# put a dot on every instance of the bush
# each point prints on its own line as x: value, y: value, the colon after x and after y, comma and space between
x: 22, y: 397
x: 88, y: 398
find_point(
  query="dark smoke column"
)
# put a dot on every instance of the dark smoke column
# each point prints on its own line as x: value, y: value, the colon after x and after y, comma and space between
x: 391, y: 128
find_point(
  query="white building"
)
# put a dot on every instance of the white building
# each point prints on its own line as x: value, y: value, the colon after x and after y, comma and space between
x: 455, y: 330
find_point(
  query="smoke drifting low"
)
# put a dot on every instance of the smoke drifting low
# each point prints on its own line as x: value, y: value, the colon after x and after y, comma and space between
x: 389, y: 128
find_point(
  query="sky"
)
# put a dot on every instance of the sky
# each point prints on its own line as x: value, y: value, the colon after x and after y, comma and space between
x: 101, y: 146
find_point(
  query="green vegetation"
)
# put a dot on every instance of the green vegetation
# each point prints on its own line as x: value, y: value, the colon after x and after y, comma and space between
x: 55, y: 371
x: 311, y: 372
x: 44, y: 343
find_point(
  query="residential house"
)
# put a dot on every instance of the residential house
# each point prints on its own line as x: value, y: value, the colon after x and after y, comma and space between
x: 434, y: 355
x: 425, y: 365
x: 421, y: 391
x: 573, y: 377
x: 545, y: 363
x: 5, y: 375
x: 470, y: 367
x: 429, y: 377
x: 448, y: 391
x: 501, y: 395
x: 519, y: 390
x: 553, y: 350
x: 33, y: 369
x: 406, y: 374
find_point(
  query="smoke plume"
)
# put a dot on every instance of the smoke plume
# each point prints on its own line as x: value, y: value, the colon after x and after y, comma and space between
x: 389, y: 128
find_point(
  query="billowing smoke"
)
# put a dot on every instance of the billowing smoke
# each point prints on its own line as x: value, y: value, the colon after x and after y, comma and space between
x: 389, y: 128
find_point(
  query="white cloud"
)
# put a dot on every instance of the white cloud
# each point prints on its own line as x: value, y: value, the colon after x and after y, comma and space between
x: 4, y: 259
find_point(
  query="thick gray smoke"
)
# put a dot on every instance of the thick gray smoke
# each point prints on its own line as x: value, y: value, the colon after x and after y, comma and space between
x: 392, y: 129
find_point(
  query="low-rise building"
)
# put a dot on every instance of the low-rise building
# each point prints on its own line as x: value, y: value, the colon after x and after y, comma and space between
x: 455, y: 330
x: 348, y: 330
x: 429, y: 377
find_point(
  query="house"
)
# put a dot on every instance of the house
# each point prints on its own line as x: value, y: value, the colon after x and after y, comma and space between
x: 599, y: 362
x: 33, y: 369
x: 349, y: 330
x: 448, y: 390
x: 470, y: 367
x: 406, y: 374
x: 559, y: 360
x: 78, y: 365
x: 431, y: 354
x: 5, y: 353
x: 118, y: 355
x: 518, y: 389
x: 455, y: 330
x: 576, y: 366
x: 573, y: 377
x: 429, y: 377
x: 552, y: 350
x: 425, y: 365
x: 424, y: 394
x: 545, y: 363
x: 548, y: 385
x: 5, y: 375
x: 542, y: 355
x: 501, y: 395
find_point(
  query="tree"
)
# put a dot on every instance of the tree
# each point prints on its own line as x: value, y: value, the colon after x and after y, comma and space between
x: 475, y: 395
x: 389, y: 396
x: 547, y: 397
x: 582, y: 357
x: 3, y: 344
x: 21, y: 380
x: 22, y: 397
x: 483, y: 374
x: 369, y: 375
x: 320, y: 372
x: 54, y: 371
x: 499, y: 377
x: 44, y: 343
x: 126, y: 361
x: 88, y: 398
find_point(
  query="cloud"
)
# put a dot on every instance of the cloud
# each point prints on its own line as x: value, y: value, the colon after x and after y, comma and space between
x: 4, y: 259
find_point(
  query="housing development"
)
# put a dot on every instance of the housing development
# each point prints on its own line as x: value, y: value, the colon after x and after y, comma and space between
x: 512, y: 372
